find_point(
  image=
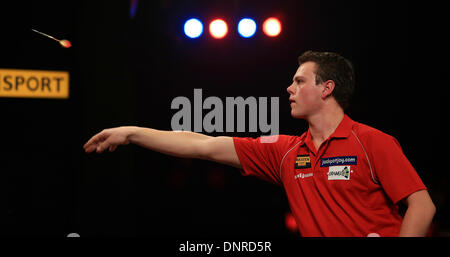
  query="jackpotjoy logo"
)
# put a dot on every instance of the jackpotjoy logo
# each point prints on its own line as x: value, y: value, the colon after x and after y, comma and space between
x: 213, y: 121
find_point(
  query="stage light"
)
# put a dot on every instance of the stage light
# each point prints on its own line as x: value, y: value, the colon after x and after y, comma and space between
x: 218, y: 28
x: 272, y: 27
x: 133, y: 8
x: 247, y: 27
x: 193, y: 28
x: 290, y: 222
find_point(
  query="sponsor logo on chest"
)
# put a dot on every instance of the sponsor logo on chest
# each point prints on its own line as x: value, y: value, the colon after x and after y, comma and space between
x: 339, y: 167
x: 338, y: 160
x: 339, y: 173
x: 303, y: 162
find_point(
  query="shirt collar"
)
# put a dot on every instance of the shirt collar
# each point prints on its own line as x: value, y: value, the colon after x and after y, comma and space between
x: 342, y: 131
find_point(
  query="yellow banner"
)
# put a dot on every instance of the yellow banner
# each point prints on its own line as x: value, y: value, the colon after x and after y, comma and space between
x: 34, y: 83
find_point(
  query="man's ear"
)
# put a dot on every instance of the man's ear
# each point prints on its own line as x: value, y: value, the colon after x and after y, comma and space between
x: 328, y: 87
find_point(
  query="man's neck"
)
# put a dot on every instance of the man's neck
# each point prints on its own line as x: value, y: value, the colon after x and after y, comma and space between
x: 322, y: 125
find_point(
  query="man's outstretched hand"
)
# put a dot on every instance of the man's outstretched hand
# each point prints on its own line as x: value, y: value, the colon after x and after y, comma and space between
x: 108, y: 139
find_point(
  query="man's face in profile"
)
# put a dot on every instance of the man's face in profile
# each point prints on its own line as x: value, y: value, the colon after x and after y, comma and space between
x: 305, y: 96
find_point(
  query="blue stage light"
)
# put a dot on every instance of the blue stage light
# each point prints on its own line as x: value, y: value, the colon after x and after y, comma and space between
x: 193, y: 28
x: 247, y: 27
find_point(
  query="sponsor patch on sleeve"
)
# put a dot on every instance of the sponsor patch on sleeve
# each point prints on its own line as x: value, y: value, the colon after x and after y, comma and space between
x: 338, y: 161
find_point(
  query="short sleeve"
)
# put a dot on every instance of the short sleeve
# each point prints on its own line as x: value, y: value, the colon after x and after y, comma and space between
x: 260, y: 157
x: 393, y: 170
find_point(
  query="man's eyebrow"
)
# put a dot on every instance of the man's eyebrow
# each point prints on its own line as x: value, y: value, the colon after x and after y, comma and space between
x: 298, y: 77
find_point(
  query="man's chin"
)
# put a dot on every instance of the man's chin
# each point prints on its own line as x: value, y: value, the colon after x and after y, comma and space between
x: 297, y: 115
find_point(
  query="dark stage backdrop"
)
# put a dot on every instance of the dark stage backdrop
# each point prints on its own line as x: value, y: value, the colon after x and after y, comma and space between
x: 127, y: 70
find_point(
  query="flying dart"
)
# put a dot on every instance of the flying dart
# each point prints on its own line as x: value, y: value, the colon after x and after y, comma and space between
x: 63, y: 42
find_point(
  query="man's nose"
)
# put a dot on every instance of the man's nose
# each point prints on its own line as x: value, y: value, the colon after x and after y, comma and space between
x: 290, y: 90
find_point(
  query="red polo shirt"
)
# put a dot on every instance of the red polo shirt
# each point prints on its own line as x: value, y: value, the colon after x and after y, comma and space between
x: 348, y: 187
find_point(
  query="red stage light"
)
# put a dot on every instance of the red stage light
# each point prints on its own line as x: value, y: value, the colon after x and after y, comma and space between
x: 272, y: 27
x: 218, y: 28
x: 290, y: 222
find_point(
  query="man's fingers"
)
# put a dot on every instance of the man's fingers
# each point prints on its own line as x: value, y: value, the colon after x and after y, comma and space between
x: 99, y: 149
x: 102, y: 146
x: 90, y: 148
x: 90, y: 141
x: 102, y: 141
x: 93, y: 143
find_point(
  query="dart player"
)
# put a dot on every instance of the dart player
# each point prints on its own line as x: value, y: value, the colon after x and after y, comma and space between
x: 342, y: 178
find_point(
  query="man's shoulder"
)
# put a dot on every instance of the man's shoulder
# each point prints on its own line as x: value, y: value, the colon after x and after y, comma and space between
x: 272, y: 139
x: 281, y: 139
x: 274, y: 143
x: 280, y: 142
x: 366, y: 132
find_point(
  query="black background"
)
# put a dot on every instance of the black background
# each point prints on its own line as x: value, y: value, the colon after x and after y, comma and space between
x: 126, y: 71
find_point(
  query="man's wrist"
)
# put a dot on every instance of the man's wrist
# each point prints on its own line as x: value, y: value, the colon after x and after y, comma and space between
x: 132, y: 134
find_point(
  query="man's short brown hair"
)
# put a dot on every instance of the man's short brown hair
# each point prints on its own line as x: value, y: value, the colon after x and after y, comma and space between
x: 332, y: 66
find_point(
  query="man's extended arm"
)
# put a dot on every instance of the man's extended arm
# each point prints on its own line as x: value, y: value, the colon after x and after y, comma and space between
x: 176, y: 143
